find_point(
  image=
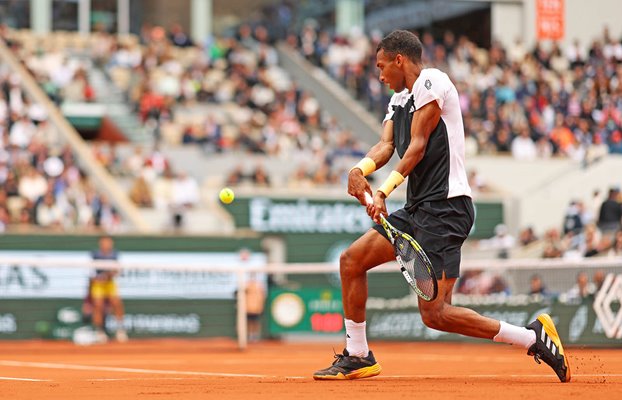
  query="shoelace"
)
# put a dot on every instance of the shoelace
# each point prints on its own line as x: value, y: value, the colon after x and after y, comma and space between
x: 338, y: 357
x: 536, y: 357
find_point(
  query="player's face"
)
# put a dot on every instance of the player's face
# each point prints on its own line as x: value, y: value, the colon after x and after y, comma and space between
x: 390, y: 72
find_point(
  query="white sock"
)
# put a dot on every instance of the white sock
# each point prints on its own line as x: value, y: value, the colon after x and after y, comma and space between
x: 356, y: 339
x: 516, y: 335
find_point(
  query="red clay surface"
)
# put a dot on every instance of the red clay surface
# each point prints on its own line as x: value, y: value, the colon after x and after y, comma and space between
x: 204, y: 369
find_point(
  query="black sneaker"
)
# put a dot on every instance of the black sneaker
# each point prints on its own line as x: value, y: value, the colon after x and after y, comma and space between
x: 548, y: 347
x: 346, y: 366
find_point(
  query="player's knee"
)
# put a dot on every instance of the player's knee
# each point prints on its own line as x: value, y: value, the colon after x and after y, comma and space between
x: 347, y: 264
x: 434, y: 318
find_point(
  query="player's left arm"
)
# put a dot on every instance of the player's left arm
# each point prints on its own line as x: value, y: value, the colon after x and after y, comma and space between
x: 423, y: 124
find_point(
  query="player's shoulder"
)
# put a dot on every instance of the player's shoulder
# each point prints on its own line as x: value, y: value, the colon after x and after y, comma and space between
x: 432, y: 79
x: 433, y: 75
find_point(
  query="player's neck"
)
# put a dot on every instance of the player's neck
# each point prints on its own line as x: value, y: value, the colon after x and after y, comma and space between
x: 412, y: 74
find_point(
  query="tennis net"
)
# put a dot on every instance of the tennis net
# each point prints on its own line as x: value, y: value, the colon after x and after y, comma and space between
x: 46, y: 296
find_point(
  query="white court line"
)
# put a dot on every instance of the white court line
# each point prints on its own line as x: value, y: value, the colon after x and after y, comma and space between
x: 8, y: 378
x: 484, y: 376
x: 10, y: 363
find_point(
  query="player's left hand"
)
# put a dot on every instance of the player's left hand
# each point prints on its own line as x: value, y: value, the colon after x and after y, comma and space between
x: 379, y: 207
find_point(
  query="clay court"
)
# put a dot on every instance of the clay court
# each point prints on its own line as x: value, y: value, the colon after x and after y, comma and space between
x: 200, y: 369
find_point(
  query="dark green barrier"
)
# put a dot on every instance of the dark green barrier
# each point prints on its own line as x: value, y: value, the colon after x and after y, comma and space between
x: 399, y: 319
x: 57, y: 318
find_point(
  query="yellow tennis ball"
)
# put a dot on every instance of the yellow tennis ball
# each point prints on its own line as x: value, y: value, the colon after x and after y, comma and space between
x: 226, y: 195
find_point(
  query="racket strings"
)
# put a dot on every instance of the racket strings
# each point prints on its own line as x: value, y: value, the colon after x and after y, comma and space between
x: 416, y: 266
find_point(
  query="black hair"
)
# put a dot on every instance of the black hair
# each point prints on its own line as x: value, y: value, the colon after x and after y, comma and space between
x: 401, y: 42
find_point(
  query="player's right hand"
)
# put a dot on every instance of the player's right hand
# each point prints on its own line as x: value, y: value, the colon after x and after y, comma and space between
x: 358, y: 185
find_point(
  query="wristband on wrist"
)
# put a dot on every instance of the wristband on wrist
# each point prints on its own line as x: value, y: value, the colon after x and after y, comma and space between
x: 366, y: 165
x: 393, y: 181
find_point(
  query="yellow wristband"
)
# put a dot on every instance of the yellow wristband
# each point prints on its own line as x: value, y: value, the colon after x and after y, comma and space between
x: 366, y: 165
x: 393, y: 181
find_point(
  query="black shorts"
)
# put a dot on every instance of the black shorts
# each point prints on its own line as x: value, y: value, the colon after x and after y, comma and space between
x: 253, y: 316
x: 440, y: 227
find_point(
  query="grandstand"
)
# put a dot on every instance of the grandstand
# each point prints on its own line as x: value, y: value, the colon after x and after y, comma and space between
x: 127, y: 117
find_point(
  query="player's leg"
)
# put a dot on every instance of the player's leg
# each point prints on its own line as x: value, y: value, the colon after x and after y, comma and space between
x: 98, y: 300
x: 357, y: 361
x: 441, y: 315
x: 118, y: 309
x: 441, y: 228
x: 369, y: 251
x: 540, y: 338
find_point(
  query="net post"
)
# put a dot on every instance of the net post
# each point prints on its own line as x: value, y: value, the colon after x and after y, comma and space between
x: 242, y: 328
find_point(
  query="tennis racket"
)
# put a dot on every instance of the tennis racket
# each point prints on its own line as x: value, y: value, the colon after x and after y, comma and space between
x: 414, y: 263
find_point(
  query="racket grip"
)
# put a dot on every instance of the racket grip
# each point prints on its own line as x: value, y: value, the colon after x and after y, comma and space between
x: 368, y: 198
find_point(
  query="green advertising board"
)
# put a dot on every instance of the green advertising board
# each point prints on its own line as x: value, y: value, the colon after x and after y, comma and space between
x: 59, y: 318
x: 308, y: 310
x: 318, y: 311
x: 318, y: 230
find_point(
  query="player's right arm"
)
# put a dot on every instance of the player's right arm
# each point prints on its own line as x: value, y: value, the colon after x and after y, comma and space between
x: 380, y: 153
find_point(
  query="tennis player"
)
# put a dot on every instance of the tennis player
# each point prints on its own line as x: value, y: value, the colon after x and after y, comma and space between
x: 424, y: 124
x: 104, y: 289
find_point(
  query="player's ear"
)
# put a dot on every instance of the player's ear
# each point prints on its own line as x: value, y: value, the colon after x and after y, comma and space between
x: 398, y: 60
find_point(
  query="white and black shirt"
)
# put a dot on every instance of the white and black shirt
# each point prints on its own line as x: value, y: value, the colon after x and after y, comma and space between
x: 441, y: 173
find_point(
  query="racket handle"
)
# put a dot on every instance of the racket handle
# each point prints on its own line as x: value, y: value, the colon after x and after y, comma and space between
x: 368, y: 198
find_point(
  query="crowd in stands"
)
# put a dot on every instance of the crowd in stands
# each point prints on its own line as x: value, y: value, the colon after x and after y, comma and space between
x: 588, y: 230
x: 40, y: 184
x: 530, y: 103
x: 228, y: 96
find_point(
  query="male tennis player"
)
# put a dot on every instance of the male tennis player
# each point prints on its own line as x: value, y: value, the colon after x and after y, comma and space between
x: 424, y: 125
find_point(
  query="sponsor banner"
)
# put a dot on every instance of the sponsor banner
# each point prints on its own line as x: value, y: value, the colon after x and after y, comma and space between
x: 308, y: 310
x: 576, y: 323
x: 550, y: 19
x: 33, y: 281
x: 336, y: 217
x: 59, y: 318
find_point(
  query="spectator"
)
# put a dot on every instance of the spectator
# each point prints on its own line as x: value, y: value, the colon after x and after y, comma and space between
x: 140, y: 194
x: 572, y: 220
x: 581, y: 291
x: 32, y: 185
x: 616, y: 248
x: 523, y: 147
x: 598, y: 279
x: 553, y: 247
x: 105, y: 214
x: 22, y: 131
x: 186, y: 195
x: 593, y: 241
x: 237, y: 176
x: 610, y: 213
x: 260, y: 176
x: 527, y: 236
x: 502, y: 242
x: 48, y: 213
x: 178, y: 37
x: 537, y: 288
